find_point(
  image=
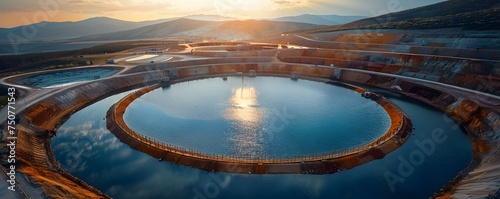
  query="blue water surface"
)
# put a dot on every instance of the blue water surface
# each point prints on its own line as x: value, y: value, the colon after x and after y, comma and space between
x: 90, y: 152
x: 262, y: 116
x: 66, y: 77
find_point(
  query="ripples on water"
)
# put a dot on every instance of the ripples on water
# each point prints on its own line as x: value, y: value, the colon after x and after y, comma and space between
x: 246, y: 126
x: 258, y: 117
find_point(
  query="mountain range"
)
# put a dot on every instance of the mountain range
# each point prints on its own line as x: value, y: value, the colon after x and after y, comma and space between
x: 320, y: 19
x: 466, y: 14
x: 227, y: 30
x: 50, y: 31
x: 66, y: 30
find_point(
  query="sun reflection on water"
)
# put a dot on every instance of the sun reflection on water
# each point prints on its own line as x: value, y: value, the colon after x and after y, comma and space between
x: 247, y: 117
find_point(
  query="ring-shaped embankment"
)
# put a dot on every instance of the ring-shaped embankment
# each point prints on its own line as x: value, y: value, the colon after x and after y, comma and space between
x: 43, y: 112
x: 395, y: 136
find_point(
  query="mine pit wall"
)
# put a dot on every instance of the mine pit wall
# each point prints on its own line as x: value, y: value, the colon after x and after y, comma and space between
x: 218, y: 43
x: 232, y: 45
x: 251, y: 53
x: 188, y: 63
x: 35, y: 160
x: 437, y: 38
x: 246, y: 47
x: 476, y: 53
x: 481, y: 75
x: 481, y: 123
x: 284, y: 69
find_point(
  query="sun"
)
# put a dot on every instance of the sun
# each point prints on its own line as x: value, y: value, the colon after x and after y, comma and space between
x: 254, y: 8
x: 237, y: 8
x: 242, y: 5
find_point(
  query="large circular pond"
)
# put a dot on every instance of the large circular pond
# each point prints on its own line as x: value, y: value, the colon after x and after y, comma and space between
x: 256, y: 117
x: 86, y: 148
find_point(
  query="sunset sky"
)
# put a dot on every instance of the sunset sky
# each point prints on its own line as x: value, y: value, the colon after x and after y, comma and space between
x: 21, y: 12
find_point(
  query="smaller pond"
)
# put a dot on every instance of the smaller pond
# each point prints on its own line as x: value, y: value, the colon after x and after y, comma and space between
x: 66, y: 77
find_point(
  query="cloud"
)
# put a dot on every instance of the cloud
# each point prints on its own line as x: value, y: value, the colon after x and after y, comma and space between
x: 30, y: 5
x: 93, y: 6
x: 84, y: 6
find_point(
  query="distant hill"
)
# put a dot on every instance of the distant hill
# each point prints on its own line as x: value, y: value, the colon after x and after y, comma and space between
x: 209, y: 17
x: 64, y: 30
x: 251, y: 29
x: 152, y: 31
x: 320, y: 19
x: 467, y: 14
x: 49, y: 31
x: 225, y: 30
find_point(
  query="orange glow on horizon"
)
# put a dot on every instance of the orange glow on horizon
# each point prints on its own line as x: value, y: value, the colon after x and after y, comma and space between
x: 28, y: 12
x: 144, y: 10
